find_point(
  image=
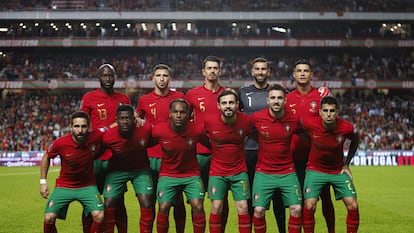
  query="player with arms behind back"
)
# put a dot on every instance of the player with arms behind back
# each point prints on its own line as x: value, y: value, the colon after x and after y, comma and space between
x: 304, y: 102
x: 101, y: 105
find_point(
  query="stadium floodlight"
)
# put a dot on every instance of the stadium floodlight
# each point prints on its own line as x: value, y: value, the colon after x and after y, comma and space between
x: 4, y: 29
x: 279, y: 29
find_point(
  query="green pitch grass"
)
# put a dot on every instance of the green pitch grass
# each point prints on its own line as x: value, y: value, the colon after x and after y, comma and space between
x: 384, y: 195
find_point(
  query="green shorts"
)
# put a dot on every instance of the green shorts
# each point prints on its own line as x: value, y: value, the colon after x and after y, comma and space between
x: 266, y: 185
x: 168, y: 187
x: 116, y: 183
x: 341, y: 183
x: 60, y: 199
x: 238, y: 184
x: 204, y: 162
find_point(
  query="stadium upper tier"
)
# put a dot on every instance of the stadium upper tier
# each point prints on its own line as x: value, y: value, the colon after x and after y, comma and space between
x: 211, y: 5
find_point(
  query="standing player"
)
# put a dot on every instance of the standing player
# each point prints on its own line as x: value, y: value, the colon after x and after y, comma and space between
x: 326, y: 165
x: 253, y: 99
x: 228, y: 171
x: 129, y: 162
x: 275, y: 170
x: 304, y: 102
x: 203, y: 102
x: 76, y: 180
x: 101, y: 106
x: 154, y: 107
x: 180, y: 171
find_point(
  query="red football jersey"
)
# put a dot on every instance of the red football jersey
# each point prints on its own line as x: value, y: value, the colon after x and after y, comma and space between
x: 155, y: 109
x: 327, y: 151
x: 76, y: 160
x: 203, y: 102
x: 303, y: 106
x: 275, y: 135
x: 179, y: 150
x: 227, y: 143
x: 102, y: 109
x: 129, y: 154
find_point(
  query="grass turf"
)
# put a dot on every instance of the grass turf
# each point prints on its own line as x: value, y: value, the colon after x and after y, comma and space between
x: 384, y: 196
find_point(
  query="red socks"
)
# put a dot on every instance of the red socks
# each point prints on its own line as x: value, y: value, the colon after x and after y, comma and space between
x: 109, y: 220
x: 97, y: 227
x: 352, y: 221
x: 162, y: 223
x: 49, y: 228
x: 259, y: 224
x: 199, y: 223
x: 295, y: 224
x: 146, y: 220
x: 244, y: 223
x: 215, y: 223
x: 308, y: 220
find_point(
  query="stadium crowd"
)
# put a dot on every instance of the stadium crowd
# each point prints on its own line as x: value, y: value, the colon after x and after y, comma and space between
x: 333, y: 66
x: 30, y: 122
x: 213, y: 5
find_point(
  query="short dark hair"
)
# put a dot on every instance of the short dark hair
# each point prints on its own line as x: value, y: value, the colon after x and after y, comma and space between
x: 179, y: 100
x: 125, y: 107
x: 227, y: 91
x: 302, y: 61
x: 211, y: 58
x: 259, y: 59
x: 80, y: 114
x: 277, y: 87
x: 161, y: 67
x: 329, y: 100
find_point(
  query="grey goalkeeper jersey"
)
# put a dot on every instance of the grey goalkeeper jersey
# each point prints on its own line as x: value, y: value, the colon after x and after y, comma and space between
x: 252, y: 100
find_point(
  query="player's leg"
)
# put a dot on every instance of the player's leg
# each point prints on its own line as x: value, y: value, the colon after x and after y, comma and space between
x: 100, y: 170
x: 217, y: 189
x: 144, y: 190
x: 251, y: 160
x: 279, y: 212
x: 113, y: 196
x: 93, y: 205
x: 167, y: 189
x: 194, y: 192
x: 328, y: 208
x: 61, y: 199
x: 345, y: 190
x: 292, y: 197
x: 313, y: 185
x: 240, y: 188
x: 262, y: 193
x: 179, y: 213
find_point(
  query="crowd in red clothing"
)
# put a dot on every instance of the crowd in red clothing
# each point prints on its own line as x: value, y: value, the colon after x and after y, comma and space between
x: 30, y: 122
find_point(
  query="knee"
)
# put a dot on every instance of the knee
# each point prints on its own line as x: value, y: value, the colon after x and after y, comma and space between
x: 164, y: 208
x: 351, y: 204
x: 295, y: 210
x: 259, y: 212
x: 310, y: 204
x: 97, y: 215
x: 197, y: 208
x: 50, y: 218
